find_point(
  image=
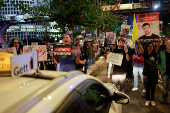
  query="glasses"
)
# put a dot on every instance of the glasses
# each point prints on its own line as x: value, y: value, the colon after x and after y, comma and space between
x: 16, y: 42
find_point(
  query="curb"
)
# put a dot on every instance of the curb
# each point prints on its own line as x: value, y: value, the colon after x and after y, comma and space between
x: 94, y: 66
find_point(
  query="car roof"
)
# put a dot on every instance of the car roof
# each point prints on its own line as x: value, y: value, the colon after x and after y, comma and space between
x: 20, y: 92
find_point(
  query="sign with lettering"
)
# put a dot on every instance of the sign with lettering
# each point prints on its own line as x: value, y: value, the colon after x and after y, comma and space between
x: 5, y: 61
x: 42, y: 51
x: 24, y: 63
x: 9, y: 50
x: 114, y: 58
x: 62, y: 51
x: 148, y: 27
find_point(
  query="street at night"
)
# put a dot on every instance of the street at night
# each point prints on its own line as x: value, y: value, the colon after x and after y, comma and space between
x: 137, y: 98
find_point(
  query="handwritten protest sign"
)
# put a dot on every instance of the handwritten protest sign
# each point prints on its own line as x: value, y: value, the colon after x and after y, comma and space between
x: 114, y: 58
x: 62, y: 51
x: 42, y: 51
x: 9, y: 50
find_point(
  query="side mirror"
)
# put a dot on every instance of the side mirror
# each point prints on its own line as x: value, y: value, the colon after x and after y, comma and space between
x: 120, y: 97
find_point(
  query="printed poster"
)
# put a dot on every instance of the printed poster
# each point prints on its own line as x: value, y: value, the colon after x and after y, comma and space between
x: 148, y: 26
x: 110, y: 37
x: 124, y: 30
x: 62, y: 51
x: 42, y: 51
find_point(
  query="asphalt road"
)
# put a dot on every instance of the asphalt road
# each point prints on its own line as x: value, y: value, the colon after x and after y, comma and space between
x: 137, y: 98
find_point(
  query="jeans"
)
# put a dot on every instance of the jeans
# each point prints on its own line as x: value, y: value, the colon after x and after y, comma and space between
x: 121, y: 79
x: 165, y: 83
x: 89, y: 60
x: 150, y: 88
x: 137, y: 68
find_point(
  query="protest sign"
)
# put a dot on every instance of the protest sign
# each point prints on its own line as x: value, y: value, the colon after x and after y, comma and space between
x: 110, y: 37
x: 9, y: 50
x: 42, y: 51
x: 114, y: 58
x: 62, y: 51
x: 148, y: 26
x: 124, y: 30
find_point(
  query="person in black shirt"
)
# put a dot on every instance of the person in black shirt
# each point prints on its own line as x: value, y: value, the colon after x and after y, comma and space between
x: 148, y: 35
x: 119, y: 72
x: 81, y: 66
x: 150, y: 74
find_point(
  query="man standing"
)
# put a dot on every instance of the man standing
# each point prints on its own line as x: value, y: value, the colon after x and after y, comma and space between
x: 149, y: 36
x: 163, y: 64
x: 69, y: 64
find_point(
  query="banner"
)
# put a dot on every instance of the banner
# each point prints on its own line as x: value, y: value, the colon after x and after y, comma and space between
x: 10, y: 50
x: 110, y: 37
x: 42, y: 51
x: 148, y: 26
x: 114, y: 58
x: 62, y: 51
x: 124, y: 30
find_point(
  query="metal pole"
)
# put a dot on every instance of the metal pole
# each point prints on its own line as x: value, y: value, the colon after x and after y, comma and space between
x: 26, y: 36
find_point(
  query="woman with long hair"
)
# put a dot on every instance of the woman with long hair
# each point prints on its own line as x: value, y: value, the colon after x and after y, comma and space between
x: 150, y: 73
x: 15, y: 42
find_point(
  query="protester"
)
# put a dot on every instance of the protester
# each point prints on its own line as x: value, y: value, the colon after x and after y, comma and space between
x: 162, y: 45
x: 129, y: 65
x: 163, y: 65
x: 68, y: 64
x: 50, y: 65
x: 119, y: 72
x: 138, y: 62
x: 15, y: 42
x: 83, y: 57
x: 150, y: 71
x: 89, y: 54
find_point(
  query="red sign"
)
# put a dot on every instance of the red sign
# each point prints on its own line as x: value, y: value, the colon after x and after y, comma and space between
x: 62, y: 51
x: 148, y: 17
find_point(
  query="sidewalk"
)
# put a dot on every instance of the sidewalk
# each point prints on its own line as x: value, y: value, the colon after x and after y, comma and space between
x: 95, y: 65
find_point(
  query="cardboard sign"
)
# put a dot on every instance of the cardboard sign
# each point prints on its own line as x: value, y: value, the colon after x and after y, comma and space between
x: 42, y: 51
x: 114, y: 58
x: 148, y: 23
x: 5, y: 61
x: 62, y: 51
x: 24, y: 63
x: 10, y: 50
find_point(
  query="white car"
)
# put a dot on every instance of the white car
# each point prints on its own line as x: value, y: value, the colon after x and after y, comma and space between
x: 59, y: 92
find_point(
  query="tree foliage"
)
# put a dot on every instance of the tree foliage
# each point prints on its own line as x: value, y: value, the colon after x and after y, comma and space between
x: 70, y: 13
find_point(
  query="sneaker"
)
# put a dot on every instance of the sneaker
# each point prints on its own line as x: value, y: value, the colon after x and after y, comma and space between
x: 147, y: 103
x: 153, y: 103
x: 144, y: 90
x: 134, y: 89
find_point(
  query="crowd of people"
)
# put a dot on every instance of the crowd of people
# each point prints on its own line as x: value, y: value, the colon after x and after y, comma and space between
x: 150, y: 60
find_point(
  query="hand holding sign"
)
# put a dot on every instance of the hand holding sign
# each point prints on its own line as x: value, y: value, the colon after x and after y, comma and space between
x: 74, y: 52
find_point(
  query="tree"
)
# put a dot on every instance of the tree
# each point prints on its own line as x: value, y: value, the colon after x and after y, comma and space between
x: 70, y: 13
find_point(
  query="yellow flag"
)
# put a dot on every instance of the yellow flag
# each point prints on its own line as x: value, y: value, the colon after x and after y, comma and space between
x: 135, y: 30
